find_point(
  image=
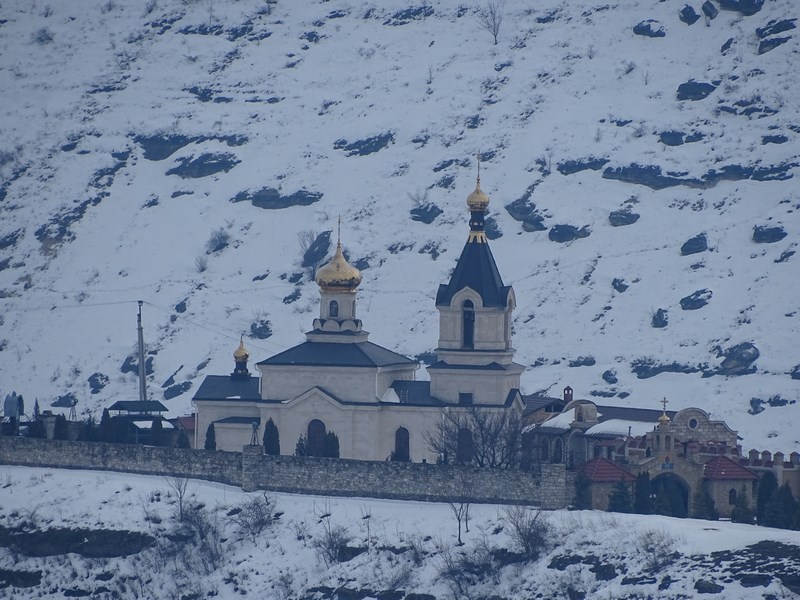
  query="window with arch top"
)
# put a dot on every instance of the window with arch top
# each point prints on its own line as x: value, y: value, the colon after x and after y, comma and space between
x: 468, y: 320
x: 316, y: 437
x: 333, y: 309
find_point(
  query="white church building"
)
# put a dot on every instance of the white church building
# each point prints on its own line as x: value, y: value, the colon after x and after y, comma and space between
x: 337, y: 380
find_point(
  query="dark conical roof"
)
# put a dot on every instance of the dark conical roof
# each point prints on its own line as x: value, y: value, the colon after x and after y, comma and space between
x: 477, y: 270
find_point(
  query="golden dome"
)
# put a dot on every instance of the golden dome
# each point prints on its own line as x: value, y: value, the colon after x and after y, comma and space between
x: 241, y: 354
x: 338, y: 274
x: 663, y: 419
x: 477, y: 200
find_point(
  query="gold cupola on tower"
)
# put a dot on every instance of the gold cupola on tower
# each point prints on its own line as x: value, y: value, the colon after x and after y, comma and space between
x: 241, y: 354
x: 478, y: 201
x: 338, y: 274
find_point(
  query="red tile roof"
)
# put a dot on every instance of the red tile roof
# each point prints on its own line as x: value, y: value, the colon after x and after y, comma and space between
x: 602, y: 470
x: 722, y: 467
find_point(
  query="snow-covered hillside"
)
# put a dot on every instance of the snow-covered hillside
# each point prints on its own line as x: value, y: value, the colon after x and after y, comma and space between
x: 393, y: 549
x: 133, y: 131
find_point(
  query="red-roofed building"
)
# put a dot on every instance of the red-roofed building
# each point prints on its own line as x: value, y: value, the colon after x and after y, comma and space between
x: 604, y: 475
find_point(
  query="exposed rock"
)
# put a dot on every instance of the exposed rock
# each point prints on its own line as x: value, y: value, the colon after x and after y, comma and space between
x: 20, y: 579
x: 570, y: 167
x: 695, y: 90
x: 65, y: 400
x: 703, y: 586
x: 695, y: 245
x: 610, y: 376
x: 644, y: 368
x: 620, y: 218
x: 567, y: 233
x: 425, y: 213
x: 652, y: 176
x: 97, y: 381
x: 176, y: 390
x: 768, y: 235
x: 522, y: 209
x: 583, y: 361
x: 795, y: 372
x: 366, y: 146
x: 773, y: 139
x: 131, y: 365
x: 696, y: 300
x: 204, y: 165
x: 649, y: 28
x: 709, y: 10
x: 272, y: 199
x: 91, y: 543
x: 402, y: 17
x: 739, y: 360
x: 492, y: 229
x: 724, y: 48
x: 317, y: 250
x: 774, y: 27
x: 747, y: 7
x: 160, y: 147
x: 766, y: 45
x: 671, y: 138
x: 660, y: 318
x: 619, y: 284
x: 688, y: 15
x: 261, y: 329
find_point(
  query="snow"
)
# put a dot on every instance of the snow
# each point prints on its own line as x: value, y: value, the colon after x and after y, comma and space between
x: 553, y: 89
x: 285, y: 552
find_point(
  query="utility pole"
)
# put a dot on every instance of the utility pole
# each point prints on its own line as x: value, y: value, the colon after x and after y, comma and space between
x: 142, y: 367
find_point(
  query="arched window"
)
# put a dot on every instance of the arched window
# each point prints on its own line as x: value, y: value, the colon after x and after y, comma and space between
x: 732, y: 497
x: 333, y: 309
x: 465, y: 451
x: 316, y: 437
x: 401, y: 446
x: 558, y: 451
x: 468, y: 318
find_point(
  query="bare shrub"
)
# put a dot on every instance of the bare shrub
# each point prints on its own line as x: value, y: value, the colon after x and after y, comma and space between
x: 332, y: 540
x: 201, y: 264
x: 42, y: 36
x: 150, y: 6
x: 217, y: 241
x: 490, y: 17
x: 254, y: 515
x: 419, y: 198
x: 529, y: 530
x: 178, y: 487
x: 203, y: 529
x: 657, y: 549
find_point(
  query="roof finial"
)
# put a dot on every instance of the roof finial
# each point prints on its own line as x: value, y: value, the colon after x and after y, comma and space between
x: 664, y: 418
x: 339, y: 232
x: 478, y: 156
x: 664, y: 404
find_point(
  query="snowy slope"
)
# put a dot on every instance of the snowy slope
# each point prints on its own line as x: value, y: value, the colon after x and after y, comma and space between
x: 92, y: 222
x: 406, y: 546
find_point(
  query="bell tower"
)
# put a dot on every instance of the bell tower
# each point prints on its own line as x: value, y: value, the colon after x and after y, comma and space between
x: 475, y: 356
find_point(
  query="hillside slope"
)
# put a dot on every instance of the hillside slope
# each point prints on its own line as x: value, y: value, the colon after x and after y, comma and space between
x: 181, y: 155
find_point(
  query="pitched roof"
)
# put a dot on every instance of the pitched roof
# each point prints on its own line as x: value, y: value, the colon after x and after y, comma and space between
x: 221, y: 387
x: 332, y: 354
x: 139, y: 406
x: 602, y: 470
x: 440, y: 364
x: 534, y: 403
x: 415, y: 393
x: 722, y: 467
x: 626, y: 413
x: 476, y: 270
x: 239, y: 420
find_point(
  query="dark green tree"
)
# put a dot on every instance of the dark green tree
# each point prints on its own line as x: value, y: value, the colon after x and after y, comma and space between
x: 620, y: 498
x: 183, y: 440
x: 211, y: 438
x: 36, y: 429
x: 642, y: 502
x: 60, y: 431
x: 583, y: 492
x: 767, y: 488
x: 780, y: 510
x: 107, y: 432
x: 703, y: 505
x: 88, y: 432
x: 157, y: 433
x: 301, y: 448
x: 330, y: 445
x: 36, y: 412
x: 742, y: 513
x: 272, y: 440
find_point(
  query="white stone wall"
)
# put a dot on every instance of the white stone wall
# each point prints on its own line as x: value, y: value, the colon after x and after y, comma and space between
x: 208, y: 412
x: 486, y: 387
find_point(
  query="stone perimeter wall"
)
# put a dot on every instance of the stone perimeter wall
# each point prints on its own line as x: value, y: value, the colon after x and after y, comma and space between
x: 551, y: 487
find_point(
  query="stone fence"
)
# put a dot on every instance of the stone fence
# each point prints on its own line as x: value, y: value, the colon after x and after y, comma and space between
x: 550, y: 487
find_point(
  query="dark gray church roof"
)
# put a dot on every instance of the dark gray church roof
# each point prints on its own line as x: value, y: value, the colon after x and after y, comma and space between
x: 138, y: 406
x: 219, y: 387
x: 331, y: 354
x: 626, y: 413
x: 240, y: 420
x: 477, y: 270
x: 416, y: 393
x: 440, y: 364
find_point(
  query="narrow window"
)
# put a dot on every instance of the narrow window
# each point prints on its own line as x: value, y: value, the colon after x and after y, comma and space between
x: 465, y: 451
x: 465, y: 399
x: 468, y: 318
x: 732, y: 497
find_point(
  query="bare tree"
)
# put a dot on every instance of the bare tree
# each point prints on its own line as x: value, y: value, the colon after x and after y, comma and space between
x: 254, y: 515
x: 178, y: 485
x: 487, y: 437
x: 490, y: 17
x: 529, y: 530
x: 460, y: 510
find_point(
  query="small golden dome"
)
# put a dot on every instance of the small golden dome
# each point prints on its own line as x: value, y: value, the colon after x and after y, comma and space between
x: 477, y: 200
x: 241, y: 354
x: 338, y: 274
x: 664, y: 419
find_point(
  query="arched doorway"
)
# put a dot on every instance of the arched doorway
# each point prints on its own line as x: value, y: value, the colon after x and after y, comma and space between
x: 316, y: 437
x: 468, y: 318
x: 402, y: 451
x: 465, y: 451
x: 670, y: 495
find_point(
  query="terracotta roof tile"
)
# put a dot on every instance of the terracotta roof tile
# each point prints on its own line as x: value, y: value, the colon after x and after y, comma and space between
x: 722, y: 467
x: 602, y: 470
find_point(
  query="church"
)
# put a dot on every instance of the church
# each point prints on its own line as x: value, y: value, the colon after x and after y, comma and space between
x: 339, y: 381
